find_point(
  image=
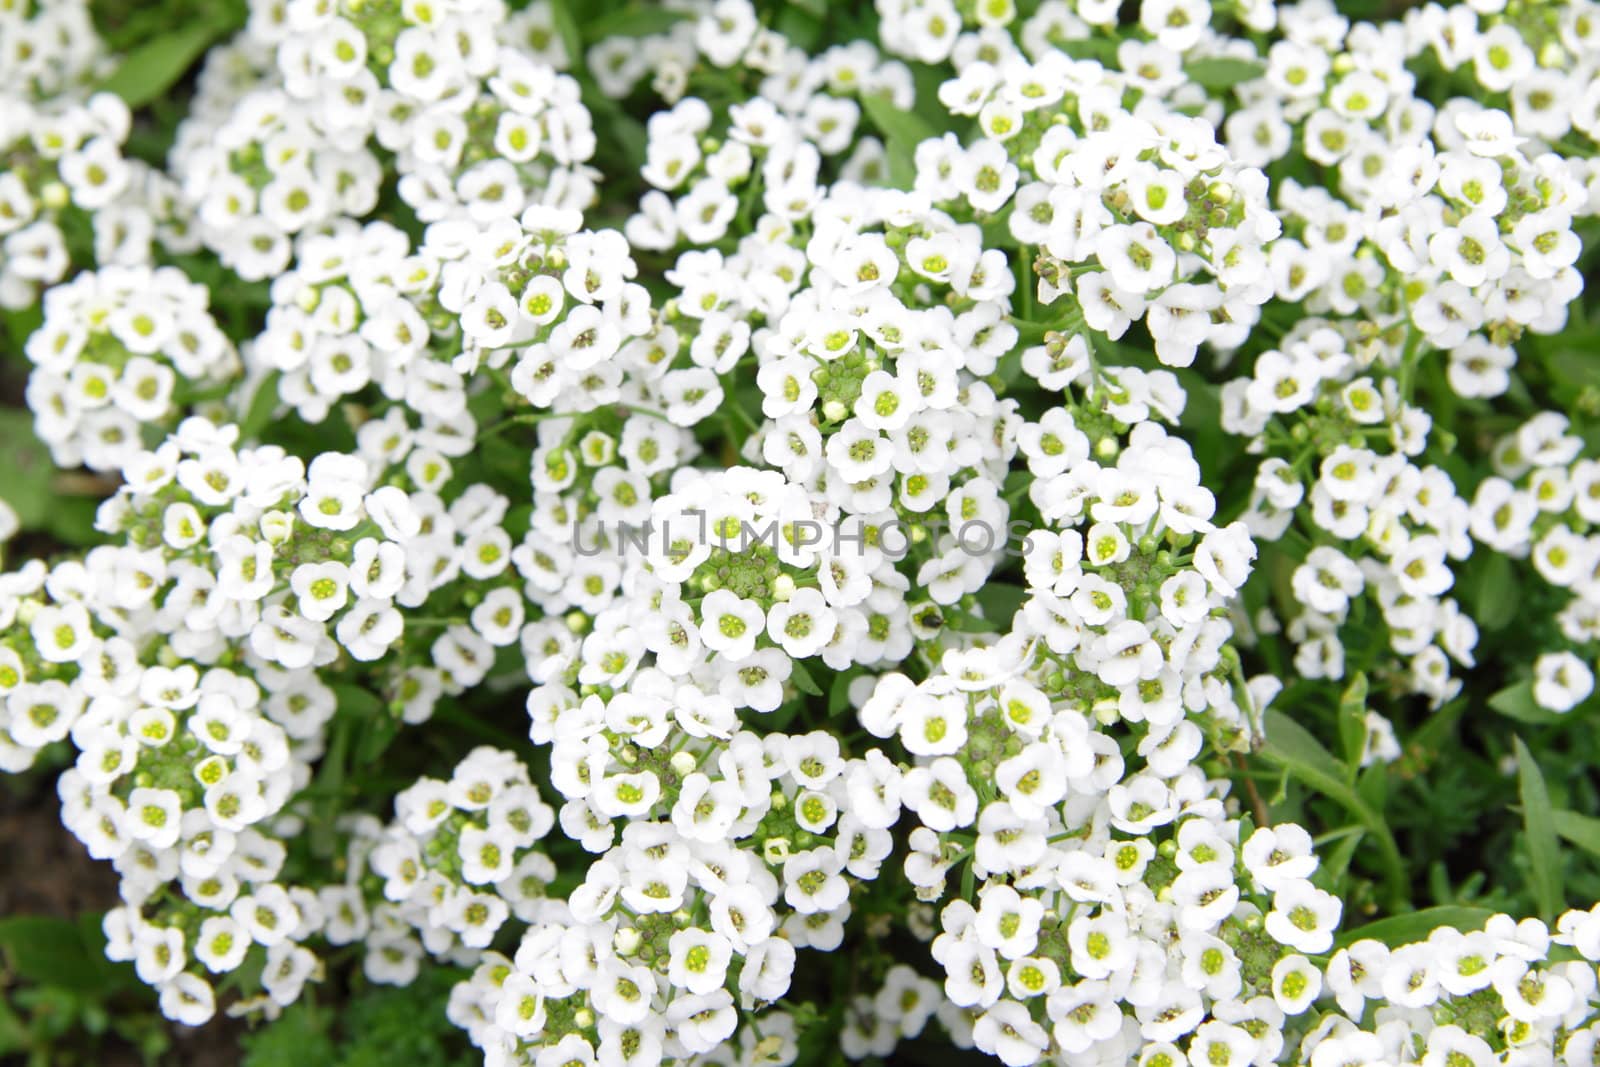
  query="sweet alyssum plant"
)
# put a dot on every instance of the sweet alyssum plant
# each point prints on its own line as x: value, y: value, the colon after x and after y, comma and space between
x: 923, y: 489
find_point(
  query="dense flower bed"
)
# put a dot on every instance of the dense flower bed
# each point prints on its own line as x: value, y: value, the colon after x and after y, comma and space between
x: 1032, y: 501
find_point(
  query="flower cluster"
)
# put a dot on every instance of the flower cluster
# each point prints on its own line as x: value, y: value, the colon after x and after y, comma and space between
x: 477, y: 130
x: 122, y: 349
x: 1541, y: 506
x: 62, y: 168
x: 737, y: 851
x: 456, y: 863
x: 49, y: 50
x: 1139, y: 215
x: 1364, y: 520
x: 913, y: 487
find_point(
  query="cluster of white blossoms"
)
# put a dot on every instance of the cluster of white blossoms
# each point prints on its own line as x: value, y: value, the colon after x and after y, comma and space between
x: 48, y: 49
x: 1342, y: 483
x: 458, y: 861
x: 1140, y: 215
x: 737, y: 850
x: 188, y: 747
x: 226, y: 556
x: 849, y: 490
x: 120, y: 350
x: 476, y: 129
x: 1542, y: 505
x: 61, y: 163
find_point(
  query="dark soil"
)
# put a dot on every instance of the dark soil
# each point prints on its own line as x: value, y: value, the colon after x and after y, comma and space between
x: 44, y: 871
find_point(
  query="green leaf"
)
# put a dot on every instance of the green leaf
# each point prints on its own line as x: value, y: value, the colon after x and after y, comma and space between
x: 1032, y: 333
x: 902, y: 132
x: 52, y: 952
x: 839, y: 692
x: 997, y: 234
x: 1516, y: 702
x: 14, y: 1037
x: 567, y: 26
x: 358, y: 702
x: 1353, y: 722
x: 1544, y: 853
x: 803, y: 681
x: 26, y: 471
x: 1001, y: 601
x: 157, y: 65
x: 1100, y: 49
x: 378, y: 727
x: 1575, y: 367
x: 1221, y: 73
x: 803, y: 28
x: 966, y: 622
x: 1492, y: 591
x: 376, y: 738
x: 330, y: 782
x: 1336, y: 860
x: 1580, y: 830
x: 19, y: 324
x: 1416, y: 926
x: 263, y: 404
x: 633, y: 21
x: 295, y: 1038
x: 1292, y: 747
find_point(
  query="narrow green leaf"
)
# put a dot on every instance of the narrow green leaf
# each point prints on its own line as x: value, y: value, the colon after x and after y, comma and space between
x: 376, y: 737
x: 1416, y: 926
x: 330, y: 779
x: 157, y: 65
x: 263, y: 404
x: 1336, y: 861
x: 26, y: 470
x: 1221, y: 73
x: 567, y: 26
x: 1580, y: 830
x: 633, y: 21
x: 1032, y: 333
x: 357, y: 702
x: 804, y: 682
x: 966, y: 622
x: 1353, y: 723
x: 902, y: 132
x: 839, y: 693
x: 1575, y: 366
x: 1100, y: 49
x: 1516, y: 702
x: 1492, y: 591
x: 1292, y: 747
x: 1430, y: 737
x: 14, y: 1036
x: 1544, y: 852
x: 18, y: 325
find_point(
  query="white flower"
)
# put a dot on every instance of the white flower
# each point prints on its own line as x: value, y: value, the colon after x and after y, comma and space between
x: 1279, y: 856
x: 729, y: 624
x: 1303, y: 917
x: 155, y: 816
x: 1296, y: 982
x: 1008, y: 1032
x: 803, y: 624
x: 321, y: 588
x: 698, y: 960
x: 1561, y: 681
